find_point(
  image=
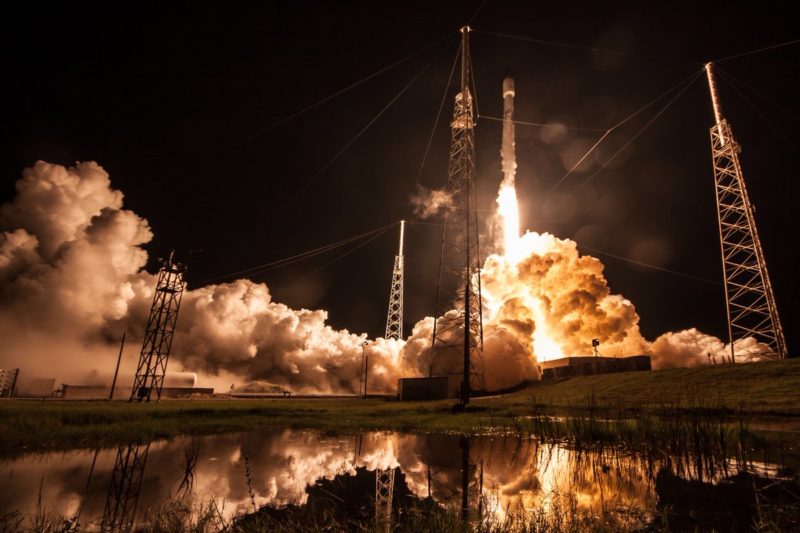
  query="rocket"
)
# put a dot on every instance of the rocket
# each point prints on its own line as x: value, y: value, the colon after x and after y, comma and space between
x: 507, y: 150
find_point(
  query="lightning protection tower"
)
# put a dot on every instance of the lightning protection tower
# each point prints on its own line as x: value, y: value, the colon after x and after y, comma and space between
x: 458, y: 328
x: 394, y: 319
x: 749, y: 299
x: 384, y: 478
x: 159, y: 331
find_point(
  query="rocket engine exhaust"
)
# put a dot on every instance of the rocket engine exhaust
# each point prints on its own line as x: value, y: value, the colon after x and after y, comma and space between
x: 507, y: 207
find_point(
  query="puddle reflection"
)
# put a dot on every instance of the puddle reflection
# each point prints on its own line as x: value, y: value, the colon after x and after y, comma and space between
x: 478, y: 477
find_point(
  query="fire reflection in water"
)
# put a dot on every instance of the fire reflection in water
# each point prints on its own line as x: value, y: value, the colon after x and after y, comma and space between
x: 481, y: 477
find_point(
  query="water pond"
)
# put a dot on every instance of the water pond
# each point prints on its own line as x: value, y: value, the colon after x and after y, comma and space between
x: 392, y: 481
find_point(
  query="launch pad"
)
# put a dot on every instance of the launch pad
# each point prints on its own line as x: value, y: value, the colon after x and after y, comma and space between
x: 592, y: 365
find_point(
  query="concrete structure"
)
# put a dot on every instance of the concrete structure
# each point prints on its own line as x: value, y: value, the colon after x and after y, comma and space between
x: 38, y: 388
x: 591, y: 365
x: 91, y: 392
x: 434, y: 388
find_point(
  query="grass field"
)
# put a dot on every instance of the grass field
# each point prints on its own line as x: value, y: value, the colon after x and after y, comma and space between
x: 761, y: 390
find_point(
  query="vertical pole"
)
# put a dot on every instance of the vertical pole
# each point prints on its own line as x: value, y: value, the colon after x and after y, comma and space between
x: 402, y: 232
x: 366, y: 368
x: 464, y: 61
x: 712, y: 87
x: 91, y: 469
x: 116, y: 372
x: 465, y: 382
x: 13, y: 384
x: 361, y: 373
x: 429, y: 481
x: 364, y: 363
x: 464, y: 479
x: 465, y: 190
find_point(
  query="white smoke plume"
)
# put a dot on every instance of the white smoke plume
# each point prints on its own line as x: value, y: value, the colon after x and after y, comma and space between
x: 429, y: 202
x: 72, y: 280
x: 691, y: 348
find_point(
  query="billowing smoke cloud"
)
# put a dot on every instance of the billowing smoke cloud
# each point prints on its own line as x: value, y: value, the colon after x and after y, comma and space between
x: 564, y: 296
x: 72, y: 280
x: 70, y: 268
x: 689, y: 348
x: 429, y: 202
x: 506, y: 360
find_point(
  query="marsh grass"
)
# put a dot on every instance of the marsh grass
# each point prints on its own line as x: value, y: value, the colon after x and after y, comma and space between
x: 744, y: 391
x: 562, y: 515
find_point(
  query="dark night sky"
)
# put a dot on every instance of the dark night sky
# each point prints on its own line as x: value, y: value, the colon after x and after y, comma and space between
x: 165, y: 95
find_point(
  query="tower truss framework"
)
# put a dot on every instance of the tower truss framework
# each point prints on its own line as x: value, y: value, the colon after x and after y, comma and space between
x: 119, y: 514
x: 384, y: 493
x: 394, y: 319
x: 159, y: 332
x: 749, y: 298
x: 458, y: 328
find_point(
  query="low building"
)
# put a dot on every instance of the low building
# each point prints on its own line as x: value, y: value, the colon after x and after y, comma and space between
x: 433, y: 388
x: 591, y: 365
x: 35, y: 388
x: 91, y: 392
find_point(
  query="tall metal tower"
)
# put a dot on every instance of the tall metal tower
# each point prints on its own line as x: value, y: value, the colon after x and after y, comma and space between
x: 159, y: 331
x: 394, y: 320
x: 749, y: 300
x: 384, y: 478
x: 458, y: 330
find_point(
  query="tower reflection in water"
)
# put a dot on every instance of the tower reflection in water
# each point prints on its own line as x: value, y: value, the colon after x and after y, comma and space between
x: 124, y: 488
x: 376, y: 476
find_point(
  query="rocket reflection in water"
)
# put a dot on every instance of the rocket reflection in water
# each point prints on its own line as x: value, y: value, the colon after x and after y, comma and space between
x: 503, y: 476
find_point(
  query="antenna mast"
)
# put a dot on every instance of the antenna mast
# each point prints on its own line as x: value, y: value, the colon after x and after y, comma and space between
x: 458, y: 328
x: 394, y: 319
x: 749, y: 299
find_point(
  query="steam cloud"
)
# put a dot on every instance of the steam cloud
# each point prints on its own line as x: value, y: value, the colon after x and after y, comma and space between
x: 429, y: 202
x: 72, y: 280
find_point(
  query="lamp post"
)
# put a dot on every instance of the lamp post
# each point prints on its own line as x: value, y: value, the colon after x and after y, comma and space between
x: 365, y: 362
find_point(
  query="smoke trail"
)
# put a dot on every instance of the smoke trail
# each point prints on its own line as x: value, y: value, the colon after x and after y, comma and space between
x: 507, y: 216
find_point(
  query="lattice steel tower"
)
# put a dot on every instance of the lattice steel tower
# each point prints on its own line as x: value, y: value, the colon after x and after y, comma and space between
x: 458, y: 330
x: 159, y: 331
x: 394, y: 319
x: 119, y: 514
x: 384, y: 494
x: 384, y: 478
x: 749, y: 299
